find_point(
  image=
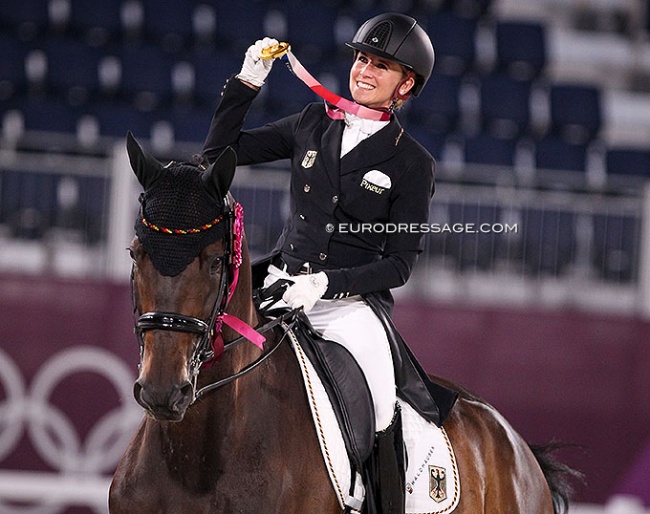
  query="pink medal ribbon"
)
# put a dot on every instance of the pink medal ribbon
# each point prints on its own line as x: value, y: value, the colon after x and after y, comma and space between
x: 343, y: 104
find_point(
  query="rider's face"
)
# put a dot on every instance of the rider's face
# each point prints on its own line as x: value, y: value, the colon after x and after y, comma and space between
x: 374, y: 79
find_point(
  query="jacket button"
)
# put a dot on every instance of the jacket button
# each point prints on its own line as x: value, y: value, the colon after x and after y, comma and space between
x: 307, y: 188
x: 335, y: 199
x: 302, y: 216
x: 322, y: 256
x: 329, y: 227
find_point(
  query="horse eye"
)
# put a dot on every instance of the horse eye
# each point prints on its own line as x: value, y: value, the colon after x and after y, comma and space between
x: 216, y: 264
x: 131, y: 254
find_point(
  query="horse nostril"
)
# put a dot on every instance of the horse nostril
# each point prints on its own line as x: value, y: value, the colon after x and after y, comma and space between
x: 138, y: 393
x: 182, y: 396
x: 167, y: 404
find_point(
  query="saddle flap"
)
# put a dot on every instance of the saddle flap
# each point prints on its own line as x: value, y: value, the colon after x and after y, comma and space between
x: 346, y: 387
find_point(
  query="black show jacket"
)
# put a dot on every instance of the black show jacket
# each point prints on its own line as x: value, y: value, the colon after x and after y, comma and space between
x: 358, y: 218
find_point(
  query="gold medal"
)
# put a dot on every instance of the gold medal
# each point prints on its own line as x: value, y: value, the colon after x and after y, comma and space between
x: 274, y: 51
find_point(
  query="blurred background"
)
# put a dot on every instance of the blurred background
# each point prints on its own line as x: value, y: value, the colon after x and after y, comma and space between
x: 538, y: 113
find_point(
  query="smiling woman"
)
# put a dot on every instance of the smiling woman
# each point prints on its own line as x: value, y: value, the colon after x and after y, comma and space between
x: 377, y: 82
x: 352, y: 168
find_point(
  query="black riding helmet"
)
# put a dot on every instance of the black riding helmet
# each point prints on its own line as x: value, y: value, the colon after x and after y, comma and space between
x: 400, y: 38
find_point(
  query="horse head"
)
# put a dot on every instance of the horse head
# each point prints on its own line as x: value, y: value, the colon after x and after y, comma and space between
x: 182, y: 271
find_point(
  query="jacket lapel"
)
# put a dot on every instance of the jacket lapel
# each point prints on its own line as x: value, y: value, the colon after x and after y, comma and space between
x: 331, y: 148
x: 377, y: 148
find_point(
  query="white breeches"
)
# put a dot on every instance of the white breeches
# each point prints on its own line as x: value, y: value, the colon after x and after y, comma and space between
x: 352, y: 323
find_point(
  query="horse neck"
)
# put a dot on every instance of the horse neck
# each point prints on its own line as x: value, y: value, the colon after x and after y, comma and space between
x: 241, y: 303
x: 241, y: 306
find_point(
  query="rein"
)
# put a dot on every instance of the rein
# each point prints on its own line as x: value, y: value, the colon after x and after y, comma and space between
x: 211, y: 345
x: 231, y: 344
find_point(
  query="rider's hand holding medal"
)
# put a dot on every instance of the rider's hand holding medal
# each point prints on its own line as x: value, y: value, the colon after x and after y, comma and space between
x: 259, y: 60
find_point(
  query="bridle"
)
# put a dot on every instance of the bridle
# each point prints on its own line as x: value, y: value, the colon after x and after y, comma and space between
x: 210, y: 345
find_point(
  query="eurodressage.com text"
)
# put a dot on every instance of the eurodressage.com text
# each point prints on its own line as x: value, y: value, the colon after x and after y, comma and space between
x: 428, y: 228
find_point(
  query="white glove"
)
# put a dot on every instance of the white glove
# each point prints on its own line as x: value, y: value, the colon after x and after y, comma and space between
x: 306, y: 290
x: 255, y: 69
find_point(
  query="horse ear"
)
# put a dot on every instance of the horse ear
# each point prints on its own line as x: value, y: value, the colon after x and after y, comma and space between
x: 218, y: 177
x: 146, y: 166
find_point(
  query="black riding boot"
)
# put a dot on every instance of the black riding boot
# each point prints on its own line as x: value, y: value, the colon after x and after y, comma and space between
x: 384, y: 471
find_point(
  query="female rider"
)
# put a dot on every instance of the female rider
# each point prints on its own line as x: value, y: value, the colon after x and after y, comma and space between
x: 360, y: 188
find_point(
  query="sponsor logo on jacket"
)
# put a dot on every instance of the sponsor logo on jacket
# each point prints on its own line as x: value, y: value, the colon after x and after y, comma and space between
x: 376, y: 181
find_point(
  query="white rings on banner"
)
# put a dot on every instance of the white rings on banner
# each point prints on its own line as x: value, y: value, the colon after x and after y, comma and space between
x: 52, y: 433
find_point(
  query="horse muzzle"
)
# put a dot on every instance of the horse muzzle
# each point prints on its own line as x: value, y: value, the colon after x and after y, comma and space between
x: 169, y: 404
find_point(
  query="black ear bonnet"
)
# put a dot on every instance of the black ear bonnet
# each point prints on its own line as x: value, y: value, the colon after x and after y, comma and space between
x: 178, y: 218
x: 182, y: 207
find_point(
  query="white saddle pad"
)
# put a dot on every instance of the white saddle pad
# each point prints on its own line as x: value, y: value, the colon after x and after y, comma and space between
x: 432, y: 480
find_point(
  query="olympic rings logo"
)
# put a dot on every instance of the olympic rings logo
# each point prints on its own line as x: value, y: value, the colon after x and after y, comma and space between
x: 51, y: 432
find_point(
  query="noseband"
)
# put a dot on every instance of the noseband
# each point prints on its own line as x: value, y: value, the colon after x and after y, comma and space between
x: 173, y: 322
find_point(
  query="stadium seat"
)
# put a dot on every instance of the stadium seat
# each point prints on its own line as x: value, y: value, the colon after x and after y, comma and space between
x: 45, y: 114
x: 168, y: 23
x: 487, y: 149
x: 36, y: 70
x: 81, y: 206
x: 72, y: 69
x: 473, y: 248
x: 575, y: 112
x: 433, y: 141
x: 96, y: 22
x: 438, y: 106
x: 212, y: 67
x: 239, y: 24
x: 265, y: 211
x: 554, y: 153
x: 504, y: 105
x: 116, y: 118
x: 628, y: 161
x: 520, y: 49
x: 312, y: 39
x: 286, y: 93
x: 616, y: 246
x: 549, y: 240
x: 191, y: 124
x: 26, y: 19
x: 146, y: 75
x: 93, y: 206
x: 13, y: 79
x: 473, y: 9
x: 28, y: 202
x: 454, y: 40
x: 204, y: 24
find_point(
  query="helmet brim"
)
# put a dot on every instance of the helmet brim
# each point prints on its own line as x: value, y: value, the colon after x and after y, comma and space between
x: 362, y: 47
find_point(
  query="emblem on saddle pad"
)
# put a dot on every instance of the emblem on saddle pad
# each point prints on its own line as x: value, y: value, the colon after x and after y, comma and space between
x: 437, y: 484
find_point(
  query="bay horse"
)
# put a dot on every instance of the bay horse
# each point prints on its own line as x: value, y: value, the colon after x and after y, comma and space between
x: 219, y: 439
